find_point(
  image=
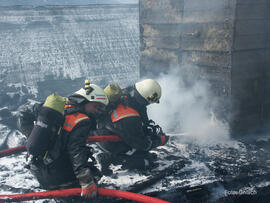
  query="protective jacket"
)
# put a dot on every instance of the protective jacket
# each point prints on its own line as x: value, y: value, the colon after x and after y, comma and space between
x: 126, y: 121
x: 69, y: 153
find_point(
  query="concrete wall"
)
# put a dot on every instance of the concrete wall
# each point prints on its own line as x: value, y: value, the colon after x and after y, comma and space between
x: 50, y: 46
x: 160, y: 31
x: 207, y: 37
x: 227, y: 39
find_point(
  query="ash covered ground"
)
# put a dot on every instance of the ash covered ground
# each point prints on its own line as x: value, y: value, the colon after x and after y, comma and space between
x: 188, y: 170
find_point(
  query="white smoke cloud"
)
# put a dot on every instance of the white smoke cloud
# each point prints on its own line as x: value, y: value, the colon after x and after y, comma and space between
x: 186, y: 106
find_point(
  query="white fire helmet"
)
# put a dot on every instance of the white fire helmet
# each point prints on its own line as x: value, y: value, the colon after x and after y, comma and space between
x: 93, y: 93
x: 149, y: 89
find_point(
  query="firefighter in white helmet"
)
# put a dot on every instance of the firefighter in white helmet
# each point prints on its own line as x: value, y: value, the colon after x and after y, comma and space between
x: 129, y: 120
x: 150, y: 90
x: 71, y: 167
x: 91, y: 99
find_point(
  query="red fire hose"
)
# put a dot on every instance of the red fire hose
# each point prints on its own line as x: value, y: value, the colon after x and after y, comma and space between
x: 107, y: 138
x: 11, y: 151
x: 77, y: 192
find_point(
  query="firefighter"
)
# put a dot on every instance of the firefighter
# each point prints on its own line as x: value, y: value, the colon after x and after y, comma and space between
x: 66, y: 163
x: 129, y: 120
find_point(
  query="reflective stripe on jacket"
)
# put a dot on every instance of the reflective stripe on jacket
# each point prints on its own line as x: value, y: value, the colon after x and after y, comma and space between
x: 123, y: 112
x: 71, y: 120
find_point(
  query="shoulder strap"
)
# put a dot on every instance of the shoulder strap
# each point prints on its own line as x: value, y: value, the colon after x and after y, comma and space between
x: 71, y: 120
x: 123, y: 112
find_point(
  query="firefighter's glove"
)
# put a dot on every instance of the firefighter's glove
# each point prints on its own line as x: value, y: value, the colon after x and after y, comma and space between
x: 89, y: 188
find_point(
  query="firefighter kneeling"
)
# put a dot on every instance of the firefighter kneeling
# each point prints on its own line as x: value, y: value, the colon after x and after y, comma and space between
x: 128, y: 119
x: 62, y: 161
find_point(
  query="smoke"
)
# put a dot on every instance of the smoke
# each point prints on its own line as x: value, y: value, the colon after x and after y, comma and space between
x: 186, y: 106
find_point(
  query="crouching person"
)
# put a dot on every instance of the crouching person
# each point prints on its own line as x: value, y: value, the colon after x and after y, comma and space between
x: 62, y: 160
x: 128, y: 119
